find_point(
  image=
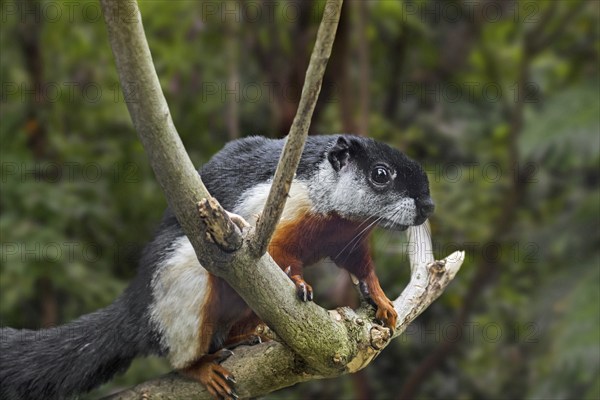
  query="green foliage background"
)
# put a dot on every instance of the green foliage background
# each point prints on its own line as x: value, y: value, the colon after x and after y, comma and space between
x: 499, y: 101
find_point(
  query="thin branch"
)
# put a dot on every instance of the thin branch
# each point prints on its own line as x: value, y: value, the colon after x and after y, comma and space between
x: 290, y: 156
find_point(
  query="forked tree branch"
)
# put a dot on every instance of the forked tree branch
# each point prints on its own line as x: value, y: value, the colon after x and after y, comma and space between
x: 318, y: 343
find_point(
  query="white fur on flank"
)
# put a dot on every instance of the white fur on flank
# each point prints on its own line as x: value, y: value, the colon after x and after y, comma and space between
x: 180, y: 290
x: 254, y: 199
x: 180, y: 283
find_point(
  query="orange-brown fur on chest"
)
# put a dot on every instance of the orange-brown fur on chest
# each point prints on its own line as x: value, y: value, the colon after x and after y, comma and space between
x: 311, y: 237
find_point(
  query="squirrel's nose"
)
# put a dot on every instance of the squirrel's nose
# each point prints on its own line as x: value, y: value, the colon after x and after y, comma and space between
x: 425, y: 206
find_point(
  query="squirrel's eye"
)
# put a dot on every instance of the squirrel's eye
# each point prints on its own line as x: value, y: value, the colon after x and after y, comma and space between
x: 380, y: 175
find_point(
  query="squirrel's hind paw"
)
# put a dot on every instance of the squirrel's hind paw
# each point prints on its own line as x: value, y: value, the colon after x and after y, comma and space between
x: 217, y: 380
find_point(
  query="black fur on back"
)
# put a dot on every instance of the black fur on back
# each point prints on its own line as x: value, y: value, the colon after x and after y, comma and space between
x: 245, y: 163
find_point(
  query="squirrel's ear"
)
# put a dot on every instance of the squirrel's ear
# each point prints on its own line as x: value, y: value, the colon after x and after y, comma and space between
x: 339, y: 154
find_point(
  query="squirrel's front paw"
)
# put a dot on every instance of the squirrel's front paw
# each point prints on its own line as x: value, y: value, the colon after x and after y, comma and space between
x: 387, y: 314
x: 303, y: 289
x: 375, y: 296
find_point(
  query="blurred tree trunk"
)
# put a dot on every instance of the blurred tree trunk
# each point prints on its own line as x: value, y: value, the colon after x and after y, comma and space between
x: 292, y: 84
x: 48, y: 302
x: 30, y: 31
x: 285, y: 71
x: 364, y: 80
x: 232, y: 118
x: 398, y: 47
x: 337, y: 86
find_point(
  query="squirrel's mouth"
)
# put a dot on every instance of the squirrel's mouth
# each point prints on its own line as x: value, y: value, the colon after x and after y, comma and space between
x: 392, y: 226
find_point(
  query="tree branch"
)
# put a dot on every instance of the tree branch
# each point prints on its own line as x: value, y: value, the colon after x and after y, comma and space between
x: 318, y: 343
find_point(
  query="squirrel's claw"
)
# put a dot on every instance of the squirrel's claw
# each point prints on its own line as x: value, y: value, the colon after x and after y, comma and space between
x: 246, y: 340
x: 217, y: 380
x: 222, y: 383
x: 222, y: 355
x: 305, y: 292
x: 227, y: 385
x: 387, y: 314
x: 303, y: 289
x: 254, y: 340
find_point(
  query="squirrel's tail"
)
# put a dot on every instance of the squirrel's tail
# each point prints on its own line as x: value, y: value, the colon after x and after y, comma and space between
x: 60, y: 362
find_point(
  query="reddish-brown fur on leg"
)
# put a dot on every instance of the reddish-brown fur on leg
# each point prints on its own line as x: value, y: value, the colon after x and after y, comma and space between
x: 385, y: 307
x: 248, y: 339
x: 360, y: 263
x: 222, y: 305
x: 285, y: 248
x: 223, y: 308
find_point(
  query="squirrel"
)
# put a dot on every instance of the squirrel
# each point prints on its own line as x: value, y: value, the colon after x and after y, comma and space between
x: 344, y: 186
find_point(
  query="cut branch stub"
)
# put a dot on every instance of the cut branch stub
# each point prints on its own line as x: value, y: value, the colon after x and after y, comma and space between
x: 222, y: 228
x: 437, y: 267
x: 380, y: 336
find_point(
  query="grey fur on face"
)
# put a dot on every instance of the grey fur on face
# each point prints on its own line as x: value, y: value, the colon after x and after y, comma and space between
x: 347, y: 193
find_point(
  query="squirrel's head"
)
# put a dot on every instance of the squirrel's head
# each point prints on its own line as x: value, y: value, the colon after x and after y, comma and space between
x: 366, y: 179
